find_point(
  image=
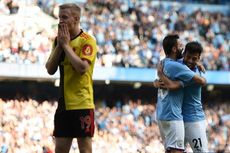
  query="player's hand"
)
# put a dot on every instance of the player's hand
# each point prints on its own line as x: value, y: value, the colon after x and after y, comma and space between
x: 159, y: 84
x: 200, y: 67
x: 63, y: 37
x: 156, y: 83
x: 162, y: 85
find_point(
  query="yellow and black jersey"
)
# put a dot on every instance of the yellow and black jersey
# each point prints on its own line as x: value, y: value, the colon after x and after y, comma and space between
x: 77, y: 89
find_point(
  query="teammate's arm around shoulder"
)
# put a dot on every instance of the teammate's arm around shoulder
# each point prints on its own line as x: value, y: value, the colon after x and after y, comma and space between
x: 167, y: 83
x: 199, y: 80
x: 170, y: 84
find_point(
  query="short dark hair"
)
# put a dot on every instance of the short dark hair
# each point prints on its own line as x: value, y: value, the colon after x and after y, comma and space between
x: 169, y: 42
x: 193, y: 47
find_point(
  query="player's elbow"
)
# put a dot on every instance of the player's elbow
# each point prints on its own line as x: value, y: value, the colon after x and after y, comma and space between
x: 84, y: 67
x: 203, y: 82
x: 199, y: 80
x: 82, y: 71
x: 50, y: 71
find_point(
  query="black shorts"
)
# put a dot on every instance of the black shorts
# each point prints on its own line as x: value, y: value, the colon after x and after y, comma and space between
x: 74, y: 123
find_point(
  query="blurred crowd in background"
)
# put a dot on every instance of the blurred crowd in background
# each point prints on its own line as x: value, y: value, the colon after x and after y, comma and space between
x: 129, y: 33
x: 27, y: 127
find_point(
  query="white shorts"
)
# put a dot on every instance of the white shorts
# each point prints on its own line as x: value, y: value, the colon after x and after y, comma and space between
x: 195, y: 135
x: 172, y: 134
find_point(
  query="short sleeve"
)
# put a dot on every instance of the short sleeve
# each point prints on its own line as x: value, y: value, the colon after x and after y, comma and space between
x: 177, y: 71
x: 89, y: 50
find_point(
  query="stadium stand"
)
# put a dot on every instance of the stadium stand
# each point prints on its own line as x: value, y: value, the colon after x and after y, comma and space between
x: 27, y: 128
x: 125, y: 118
x: 128, y: 34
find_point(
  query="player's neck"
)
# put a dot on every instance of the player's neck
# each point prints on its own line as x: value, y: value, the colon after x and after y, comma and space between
x: 75, y: 32
x: 172, y: 57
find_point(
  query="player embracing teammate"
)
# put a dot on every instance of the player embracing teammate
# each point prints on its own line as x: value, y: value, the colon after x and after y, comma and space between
x: 180, y: 115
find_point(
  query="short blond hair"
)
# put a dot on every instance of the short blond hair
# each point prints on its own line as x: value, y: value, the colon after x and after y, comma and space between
x: 75, y: 9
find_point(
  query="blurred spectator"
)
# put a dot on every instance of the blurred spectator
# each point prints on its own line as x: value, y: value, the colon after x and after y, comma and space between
x: 129, y: 33
x: 27, y: 126
x: 12, y: 6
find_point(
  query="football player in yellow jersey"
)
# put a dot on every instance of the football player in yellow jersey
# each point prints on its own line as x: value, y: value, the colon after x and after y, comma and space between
x: 74, y: 51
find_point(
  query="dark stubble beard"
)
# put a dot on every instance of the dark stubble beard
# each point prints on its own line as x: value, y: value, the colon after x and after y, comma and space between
x: 179, y: 54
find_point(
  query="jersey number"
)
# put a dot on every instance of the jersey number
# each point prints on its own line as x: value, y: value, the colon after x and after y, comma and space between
x: 85, y: 123
x: 197, y: 143
x: 162, y: 93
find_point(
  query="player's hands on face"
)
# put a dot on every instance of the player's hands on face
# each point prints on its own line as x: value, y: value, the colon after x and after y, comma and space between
x: 63, y: 37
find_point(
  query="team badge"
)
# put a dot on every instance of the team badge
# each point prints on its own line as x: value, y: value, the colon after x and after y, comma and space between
x: 179, y: 143
x: 87, y: 50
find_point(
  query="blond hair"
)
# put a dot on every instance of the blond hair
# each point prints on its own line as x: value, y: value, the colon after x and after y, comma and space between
x: 75, y: 9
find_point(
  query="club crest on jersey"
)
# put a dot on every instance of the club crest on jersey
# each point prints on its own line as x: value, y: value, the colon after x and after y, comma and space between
x: 87, y: 50
x: 179, y: 143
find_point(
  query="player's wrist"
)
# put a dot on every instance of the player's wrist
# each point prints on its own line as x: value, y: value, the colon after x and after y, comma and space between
x: 66, y: 46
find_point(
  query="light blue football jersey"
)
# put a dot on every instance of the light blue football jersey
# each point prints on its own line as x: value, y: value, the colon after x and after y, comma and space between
x: 192, y: 107
x: 169, y: 103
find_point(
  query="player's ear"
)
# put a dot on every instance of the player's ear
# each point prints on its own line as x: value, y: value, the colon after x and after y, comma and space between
x: 183, y: 53
x: 174, y: 49
x: 199, y: 57
x: 77, y: 19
